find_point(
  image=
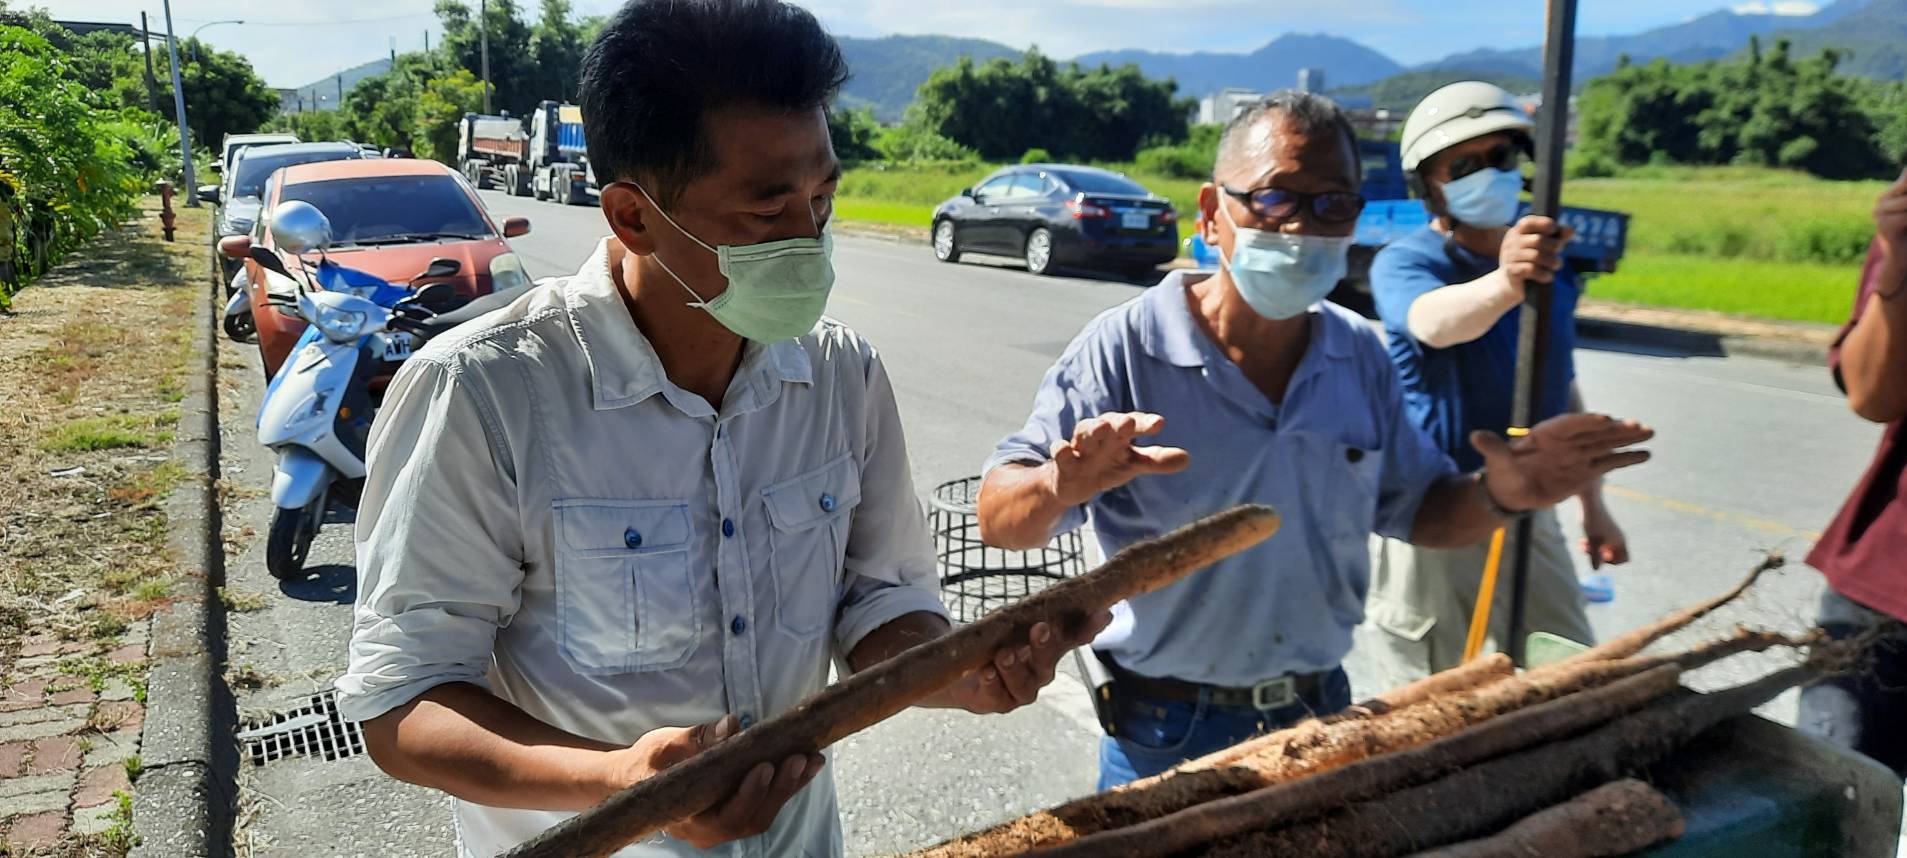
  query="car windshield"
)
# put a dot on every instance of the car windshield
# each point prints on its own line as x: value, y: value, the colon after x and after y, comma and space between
x: 255, y: 166
x: 393, y: 209
x: 1102, y: 183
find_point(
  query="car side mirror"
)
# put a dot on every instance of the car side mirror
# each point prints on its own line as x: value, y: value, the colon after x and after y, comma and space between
x: 440, y: 268
x: 267, y: 260
x: 968, y: 193
x: 433, y: 294
x: 513, y: 227
x: 235, y: 246
x: 209, y: 194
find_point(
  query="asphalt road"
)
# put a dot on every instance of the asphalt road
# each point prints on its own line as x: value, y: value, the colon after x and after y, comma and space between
x: 1752, y: 455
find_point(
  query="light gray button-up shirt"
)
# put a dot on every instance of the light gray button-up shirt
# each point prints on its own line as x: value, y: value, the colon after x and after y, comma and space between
x: 548, y: 516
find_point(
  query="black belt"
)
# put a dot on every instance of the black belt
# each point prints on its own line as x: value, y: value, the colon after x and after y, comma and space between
x: 1273, y: 693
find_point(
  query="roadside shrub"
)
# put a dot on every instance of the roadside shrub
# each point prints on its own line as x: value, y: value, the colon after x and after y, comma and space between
x: 1036, y: 155
x: 1179, y: 162
x: 67, y: 168
x: 1830, y: 240
x: 909, y: 143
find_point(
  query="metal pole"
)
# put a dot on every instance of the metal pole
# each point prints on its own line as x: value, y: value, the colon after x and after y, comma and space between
x: 178, y: 107
x: 341, y: 91
x: 152, y: 83
x: 1532, y: 342
x: 483, y: 41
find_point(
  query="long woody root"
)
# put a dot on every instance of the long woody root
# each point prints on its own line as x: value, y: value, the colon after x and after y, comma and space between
x: 1381, y: 746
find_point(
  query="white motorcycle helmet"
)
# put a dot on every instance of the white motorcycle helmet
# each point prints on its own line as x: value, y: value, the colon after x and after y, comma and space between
x: 299, y: 227
x: 1458, y: 112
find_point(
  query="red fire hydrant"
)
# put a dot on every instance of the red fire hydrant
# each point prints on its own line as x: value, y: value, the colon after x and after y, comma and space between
x: 165, y: 208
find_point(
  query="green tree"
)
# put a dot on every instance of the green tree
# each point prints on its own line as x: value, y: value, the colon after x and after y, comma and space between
x: 514, y: 75
x: 853, y: 133
x: 223, y: 95
x: 557, y: 44
x: 1002, y: 108
x: 440, y: 107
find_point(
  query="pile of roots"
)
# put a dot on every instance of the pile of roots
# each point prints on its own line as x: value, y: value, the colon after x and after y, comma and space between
x: 1476, y: 761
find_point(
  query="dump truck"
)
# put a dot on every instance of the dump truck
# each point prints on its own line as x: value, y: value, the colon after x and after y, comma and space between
x: 491, y: 151
x: 558, y: 167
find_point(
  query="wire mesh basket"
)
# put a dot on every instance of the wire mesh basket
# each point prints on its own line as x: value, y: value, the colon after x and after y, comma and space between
x: 976, y: 578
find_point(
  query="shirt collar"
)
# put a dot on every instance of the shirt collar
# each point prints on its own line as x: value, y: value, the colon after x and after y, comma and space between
x: 623, y: 367
x: 1170, y: 333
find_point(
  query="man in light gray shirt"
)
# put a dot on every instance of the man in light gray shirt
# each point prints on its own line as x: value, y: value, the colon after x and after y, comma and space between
x: 646, y: 506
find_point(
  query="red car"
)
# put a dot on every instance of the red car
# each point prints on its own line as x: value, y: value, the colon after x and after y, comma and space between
x: 389, y: 218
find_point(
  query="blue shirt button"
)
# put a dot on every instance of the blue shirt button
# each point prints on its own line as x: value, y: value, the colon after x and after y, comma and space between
x: 738, y: 626
x: 827, y: 503
x: 747, y: 720
x: 728, y: 527
x: 632, y: 538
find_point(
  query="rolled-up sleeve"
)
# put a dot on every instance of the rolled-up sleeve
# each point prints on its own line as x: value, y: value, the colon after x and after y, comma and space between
x: 889, y: 568
x: 439, y: 545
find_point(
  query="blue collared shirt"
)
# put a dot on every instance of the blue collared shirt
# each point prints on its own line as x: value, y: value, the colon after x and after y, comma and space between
x: 1339, y: 459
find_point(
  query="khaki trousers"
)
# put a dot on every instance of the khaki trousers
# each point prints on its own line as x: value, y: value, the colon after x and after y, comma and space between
x: 1418, y: 613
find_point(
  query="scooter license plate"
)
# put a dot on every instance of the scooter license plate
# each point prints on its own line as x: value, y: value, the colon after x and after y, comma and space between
x: 397, y: 347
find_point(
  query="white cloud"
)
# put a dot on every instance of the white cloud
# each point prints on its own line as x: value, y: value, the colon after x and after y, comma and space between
x: 1778, y: 7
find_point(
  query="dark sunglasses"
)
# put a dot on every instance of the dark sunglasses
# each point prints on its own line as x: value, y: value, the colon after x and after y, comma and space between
x: 1504, y: 156
x: 1280, y: 204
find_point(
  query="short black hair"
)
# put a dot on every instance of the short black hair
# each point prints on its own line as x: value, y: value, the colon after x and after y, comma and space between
x: 1311, y: 113
x: 661, y: 66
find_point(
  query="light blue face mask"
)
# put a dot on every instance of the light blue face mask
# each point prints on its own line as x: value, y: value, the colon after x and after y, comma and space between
x: 1282, y: 274
x: 777, y: 290
x: 1484, y: 198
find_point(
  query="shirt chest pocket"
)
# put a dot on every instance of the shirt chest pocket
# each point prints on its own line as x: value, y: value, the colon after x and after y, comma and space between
x: 625, y: 598
x: 810, y: 514
x: 1340, y: 484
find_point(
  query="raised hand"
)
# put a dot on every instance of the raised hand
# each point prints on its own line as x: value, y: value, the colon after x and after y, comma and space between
x: 1102, y: 456
x: 1561, y: 457
x: 1533, y: 250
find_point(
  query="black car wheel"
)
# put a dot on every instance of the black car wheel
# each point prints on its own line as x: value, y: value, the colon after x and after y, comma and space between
x: 946, y: 244
x: 1039, y: 251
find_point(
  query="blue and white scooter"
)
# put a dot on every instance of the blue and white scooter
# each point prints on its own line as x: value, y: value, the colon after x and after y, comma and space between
x: 318, y: 408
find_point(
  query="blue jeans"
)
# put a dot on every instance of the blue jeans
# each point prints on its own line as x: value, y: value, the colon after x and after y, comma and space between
x: 1155, y: 735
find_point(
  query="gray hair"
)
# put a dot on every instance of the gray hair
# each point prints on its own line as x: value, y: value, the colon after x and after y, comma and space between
x: 1312, y: 114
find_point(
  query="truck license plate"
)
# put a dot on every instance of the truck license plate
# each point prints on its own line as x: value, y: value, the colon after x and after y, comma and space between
x: 397, y: 346
x: 1136, y: 220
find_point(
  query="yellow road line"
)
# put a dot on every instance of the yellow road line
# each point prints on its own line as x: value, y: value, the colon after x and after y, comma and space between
x: 1716, y: 515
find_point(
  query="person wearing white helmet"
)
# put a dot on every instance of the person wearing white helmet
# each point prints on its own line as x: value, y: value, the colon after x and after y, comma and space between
x: 1448, y: 296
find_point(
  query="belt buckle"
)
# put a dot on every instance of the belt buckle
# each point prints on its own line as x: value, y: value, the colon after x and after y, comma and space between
x: 1274, y: 694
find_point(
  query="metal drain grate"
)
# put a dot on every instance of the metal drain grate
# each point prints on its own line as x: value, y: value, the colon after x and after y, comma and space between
x: 314, y: 729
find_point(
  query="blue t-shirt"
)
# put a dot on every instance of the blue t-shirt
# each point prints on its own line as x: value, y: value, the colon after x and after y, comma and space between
x: 1453, y: 391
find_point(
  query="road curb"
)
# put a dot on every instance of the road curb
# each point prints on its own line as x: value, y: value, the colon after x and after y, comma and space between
x: 187, y: 791
x: 1705, y: 343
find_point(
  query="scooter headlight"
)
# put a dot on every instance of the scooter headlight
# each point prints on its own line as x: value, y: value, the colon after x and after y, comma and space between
x: 340, y: 325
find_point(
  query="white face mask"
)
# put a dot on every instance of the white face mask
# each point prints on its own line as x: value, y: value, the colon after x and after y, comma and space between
x: 1282, y: 274
x: 1485, y: 198
x: 777, y: 290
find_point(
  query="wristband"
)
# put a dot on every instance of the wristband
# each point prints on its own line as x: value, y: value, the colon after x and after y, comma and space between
x: 1490, y: 500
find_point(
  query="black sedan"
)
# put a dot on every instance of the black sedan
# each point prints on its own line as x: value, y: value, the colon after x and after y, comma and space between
x: 1056, y: 215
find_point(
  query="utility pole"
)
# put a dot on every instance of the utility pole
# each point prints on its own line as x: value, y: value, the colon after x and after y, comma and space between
x: 483, y: 47
x: 178, y: 107
x: 427, y: 41
x: 340, y: 91
x: 152, y: 83
x: 393, y: 53
x: 1532, y: 347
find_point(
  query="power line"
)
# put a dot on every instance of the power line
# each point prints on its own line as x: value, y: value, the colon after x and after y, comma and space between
x: 334, y: 21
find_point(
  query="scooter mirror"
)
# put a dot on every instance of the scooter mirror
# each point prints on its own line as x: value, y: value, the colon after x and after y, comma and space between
x: 299, y: 227
x: 269, y: 261
x: 235, y: 246
x: 433, y: 295
x: 439, y: 268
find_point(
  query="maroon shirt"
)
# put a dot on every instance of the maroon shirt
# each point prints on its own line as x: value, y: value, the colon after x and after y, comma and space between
x: 1864, y: 552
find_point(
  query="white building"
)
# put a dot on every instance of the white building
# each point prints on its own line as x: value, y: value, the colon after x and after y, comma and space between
x: 1222, y: 106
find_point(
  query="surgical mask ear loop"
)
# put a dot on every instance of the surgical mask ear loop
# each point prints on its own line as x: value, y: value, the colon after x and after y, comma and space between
x: 699, y: 301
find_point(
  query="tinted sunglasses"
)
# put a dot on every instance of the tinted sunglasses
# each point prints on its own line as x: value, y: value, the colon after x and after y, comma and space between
x: 1280, y: 204
x: 1503, y: 156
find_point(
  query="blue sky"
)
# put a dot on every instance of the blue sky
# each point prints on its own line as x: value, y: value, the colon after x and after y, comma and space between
x: 294, y: 42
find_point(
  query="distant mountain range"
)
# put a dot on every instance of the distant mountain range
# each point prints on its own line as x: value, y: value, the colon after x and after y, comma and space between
x: 1712, y: 36
x: 323, y: 94
x: 888, y: 70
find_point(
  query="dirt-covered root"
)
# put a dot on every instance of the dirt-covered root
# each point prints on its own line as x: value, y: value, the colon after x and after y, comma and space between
x: 1613, y: 819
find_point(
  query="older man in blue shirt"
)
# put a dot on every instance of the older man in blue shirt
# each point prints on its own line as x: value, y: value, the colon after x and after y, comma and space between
x: 1252, y: 389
